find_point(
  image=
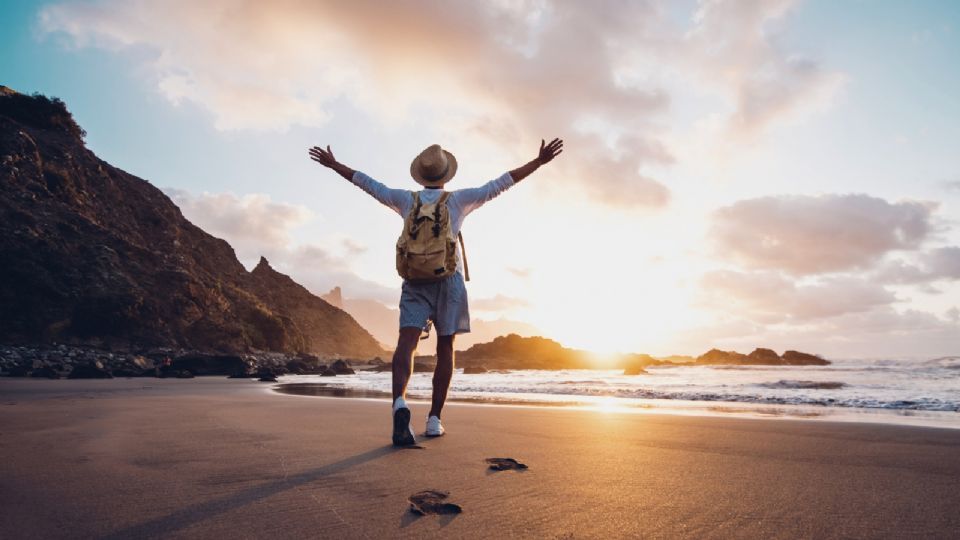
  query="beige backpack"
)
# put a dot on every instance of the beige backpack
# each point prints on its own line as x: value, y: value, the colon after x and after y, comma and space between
x: 426, y: 249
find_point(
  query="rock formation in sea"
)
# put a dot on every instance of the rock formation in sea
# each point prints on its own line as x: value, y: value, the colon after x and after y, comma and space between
x: 95, y: 256
x: 760, y: 357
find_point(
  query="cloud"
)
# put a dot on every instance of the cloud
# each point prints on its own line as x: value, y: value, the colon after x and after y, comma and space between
x: 499, y: 302
x: 809, y: 235
x: 936, y: 264
x: 519, y: 272
x: 767, y: 84
x: 252, y: 223
x: 513, y: 70
x: 770, y: 297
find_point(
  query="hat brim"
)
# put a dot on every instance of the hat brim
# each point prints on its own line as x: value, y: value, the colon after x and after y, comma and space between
x: 417, y: 175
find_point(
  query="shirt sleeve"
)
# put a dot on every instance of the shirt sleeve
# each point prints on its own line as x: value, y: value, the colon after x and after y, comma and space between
x: 396, y: 199
x: 472, y: 198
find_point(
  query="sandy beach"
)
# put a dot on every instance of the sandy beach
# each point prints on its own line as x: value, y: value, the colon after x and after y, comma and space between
x: 217, y: 458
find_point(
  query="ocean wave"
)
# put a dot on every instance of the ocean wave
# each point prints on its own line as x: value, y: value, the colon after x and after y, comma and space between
x: 919, y: 404
x: 805, y: 385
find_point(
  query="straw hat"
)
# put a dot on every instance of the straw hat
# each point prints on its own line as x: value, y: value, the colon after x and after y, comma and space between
x: 433, y: 167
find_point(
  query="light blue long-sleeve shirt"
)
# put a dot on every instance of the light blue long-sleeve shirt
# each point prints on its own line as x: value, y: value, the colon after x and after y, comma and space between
x: 460, y: 203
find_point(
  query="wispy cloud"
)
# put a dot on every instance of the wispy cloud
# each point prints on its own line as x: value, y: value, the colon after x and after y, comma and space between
x: 769, y: 297
x: 810, y: 235
x: 593, y: 74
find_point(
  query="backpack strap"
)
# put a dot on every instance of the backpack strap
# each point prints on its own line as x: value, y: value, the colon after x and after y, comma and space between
x: 414, y: 212
x: 463, y: 249
x: 436, y: 212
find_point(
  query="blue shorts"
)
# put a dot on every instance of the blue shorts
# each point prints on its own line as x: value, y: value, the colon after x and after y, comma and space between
x: 443, y: 302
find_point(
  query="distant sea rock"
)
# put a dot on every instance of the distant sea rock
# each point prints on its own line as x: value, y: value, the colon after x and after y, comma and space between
x: 760, y: 357
x: 474, y: 370
x: 764, y: 357
x: 516, y: 352
x: 796, y: 358
x: 716, y: 356
x: 342, y: 367
x: 95, y: 256
x: 634, y: 370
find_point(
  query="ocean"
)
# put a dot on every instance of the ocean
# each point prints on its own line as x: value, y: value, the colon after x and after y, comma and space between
x: 914, y: 392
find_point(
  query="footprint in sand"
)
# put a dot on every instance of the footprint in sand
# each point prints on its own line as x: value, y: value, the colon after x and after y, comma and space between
x: 505, y: 464
x: 431, y: 502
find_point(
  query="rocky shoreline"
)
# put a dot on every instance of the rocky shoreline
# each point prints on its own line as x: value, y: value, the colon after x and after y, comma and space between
x: 74, y: 362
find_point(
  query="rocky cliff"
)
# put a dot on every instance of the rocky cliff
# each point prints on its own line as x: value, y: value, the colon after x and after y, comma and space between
x: 93, y: 255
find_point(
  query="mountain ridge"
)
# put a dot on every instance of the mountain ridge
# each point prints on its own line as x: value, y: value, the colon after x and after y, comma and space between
x: 96, y: 256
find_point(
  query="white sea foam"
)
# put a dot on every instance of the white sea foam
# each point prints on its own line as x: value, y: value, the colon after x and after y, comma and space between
x: 905, y: 387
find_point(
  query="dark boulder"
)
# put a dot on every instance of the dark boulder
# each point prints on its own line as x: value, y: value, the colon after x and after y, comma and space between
x: 797, y: 358
x: 423, y: 367
x: 474, y: 370
x: 45, y: 372
x: 299, y: 366
x: 185, y: 374
x: 342, y: 367
x: 92, y: 370
x: 376, y: 362
x: 18, y: 371
x: 209, y: 364
x: 328, y: 372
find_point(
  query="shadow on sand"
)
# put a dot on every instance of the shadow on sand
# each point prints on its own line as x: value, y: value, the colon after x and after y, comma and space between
x: 164, y: 525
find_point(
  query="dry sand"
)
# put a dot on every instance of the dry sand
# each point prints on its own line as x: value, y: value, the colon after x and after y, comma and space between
x: 217, y: 458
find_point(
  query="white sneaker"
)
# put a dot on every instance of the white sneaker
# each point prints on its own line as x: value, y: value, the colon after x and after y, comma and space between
x: 434, y: 427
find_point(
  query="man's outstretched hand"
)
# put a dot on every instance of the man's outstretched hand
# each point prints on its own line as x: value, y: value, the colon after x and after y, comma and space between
x: 546, y: 155
x: 549, y: 151
x: 325, y: 158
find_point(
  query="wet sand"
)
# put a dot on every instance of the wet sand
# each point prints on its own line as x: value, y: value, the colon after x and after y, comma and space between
x: 216, y: 458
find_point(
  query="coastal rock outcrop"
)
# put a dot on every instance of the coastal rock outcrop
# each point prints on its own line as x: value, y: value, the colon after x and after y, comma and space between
x: 796, y: 358
x: 760, y: 357
x: 764, y: 357
x: 95, y: 256
x: 342, y: 367
x: 716, y: 356
x: 474, y: 370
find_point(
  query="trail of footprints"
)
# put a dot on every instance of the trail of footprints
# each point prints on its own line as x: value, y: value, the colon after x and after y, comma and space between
x: 433, y: 502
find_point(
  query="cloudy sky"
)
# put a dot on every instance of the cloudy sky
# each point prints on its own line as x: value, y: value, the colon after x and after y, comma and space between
x: 736, y: 174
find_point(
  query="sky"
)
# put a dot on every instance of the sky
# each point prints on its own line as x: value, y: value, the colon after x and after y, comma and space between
x: 736, y: 174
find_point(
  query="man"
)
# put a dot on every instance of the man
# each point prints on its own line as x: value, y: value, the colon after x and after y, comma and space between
x: 443, y: 302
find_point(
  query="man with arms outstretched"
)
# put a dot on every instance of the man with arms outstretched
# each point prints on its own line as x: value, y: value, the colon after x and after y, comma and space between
x: 442, y: 302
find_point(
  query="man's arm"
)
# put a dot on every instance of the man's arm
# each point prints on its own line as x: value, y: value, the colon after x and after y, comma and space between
x: 546, y: 155
x: 472, y: 198
x: 395, y: 199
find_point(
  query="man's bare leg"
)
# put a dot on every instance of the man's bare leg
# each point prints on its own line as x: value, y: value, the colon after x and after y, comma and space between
x: 402, y: 368
x: 442, y: 374
x: 403, y: 360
